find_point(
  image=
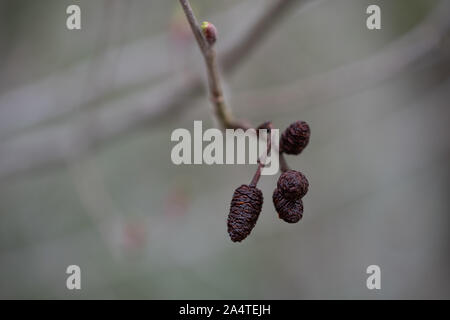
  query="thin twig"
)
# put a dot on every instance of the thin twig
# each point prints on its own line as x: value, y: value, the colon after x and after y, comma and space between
x: 245, y: 45
x: 196, y: 30
x: 222, y: 111
x: 262, y: 160
x: 283, y: 163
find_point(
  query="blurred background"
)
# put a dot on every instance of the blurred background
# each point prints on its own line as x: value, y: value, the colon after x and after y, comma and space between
x: 86, y: 176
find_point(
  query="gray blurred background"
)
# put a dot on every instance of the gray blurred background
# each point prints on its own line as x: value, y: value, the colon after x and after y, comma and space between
x: 86, y: 176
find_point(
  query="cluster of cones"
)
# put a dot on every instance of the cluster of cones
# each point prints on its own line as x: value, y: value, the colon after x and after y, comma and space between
x: 292, y: 186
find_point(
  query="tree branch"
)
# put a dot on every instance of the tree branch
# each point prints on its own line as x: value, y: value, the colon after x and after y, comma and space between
x: 204, y: 47
x: 54, y: 145
x: 61, y: 96
x: 222, y: 111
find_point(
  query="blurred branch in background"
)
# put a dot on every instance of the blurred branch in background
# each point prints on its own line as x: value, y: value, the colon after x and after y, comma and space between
x: 56, y: 144
x: 402, y: 55
x: 58, y: 95
x: 59, y: 143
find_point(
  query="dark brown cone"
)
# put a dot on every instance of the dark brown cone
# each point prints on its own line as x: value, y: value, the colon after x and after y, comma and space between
x: 244, y: 212
x: 295, y: 138
x: 290, y: 211
x: 293, y: 184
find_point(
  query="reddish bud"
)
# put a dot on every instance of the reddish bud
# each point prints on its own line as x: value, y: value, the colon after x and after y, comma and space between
x: 210, y: 32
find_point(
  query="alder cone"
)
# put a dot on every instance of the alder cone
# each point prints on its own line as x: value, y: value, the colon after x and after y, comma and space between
x: 245, y: 208
x: 293, y: 184
x: 289, y: 210
x: 295, y: 138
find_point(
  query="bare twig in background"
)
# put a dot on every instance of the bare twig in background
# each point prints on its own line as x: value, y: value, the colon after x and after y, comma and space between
x: 255, y: 34
x: 358, y: 75
x: 56, y: 97
x: 55, y: 145
x: 97, y: 202
x: 51, y: 146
